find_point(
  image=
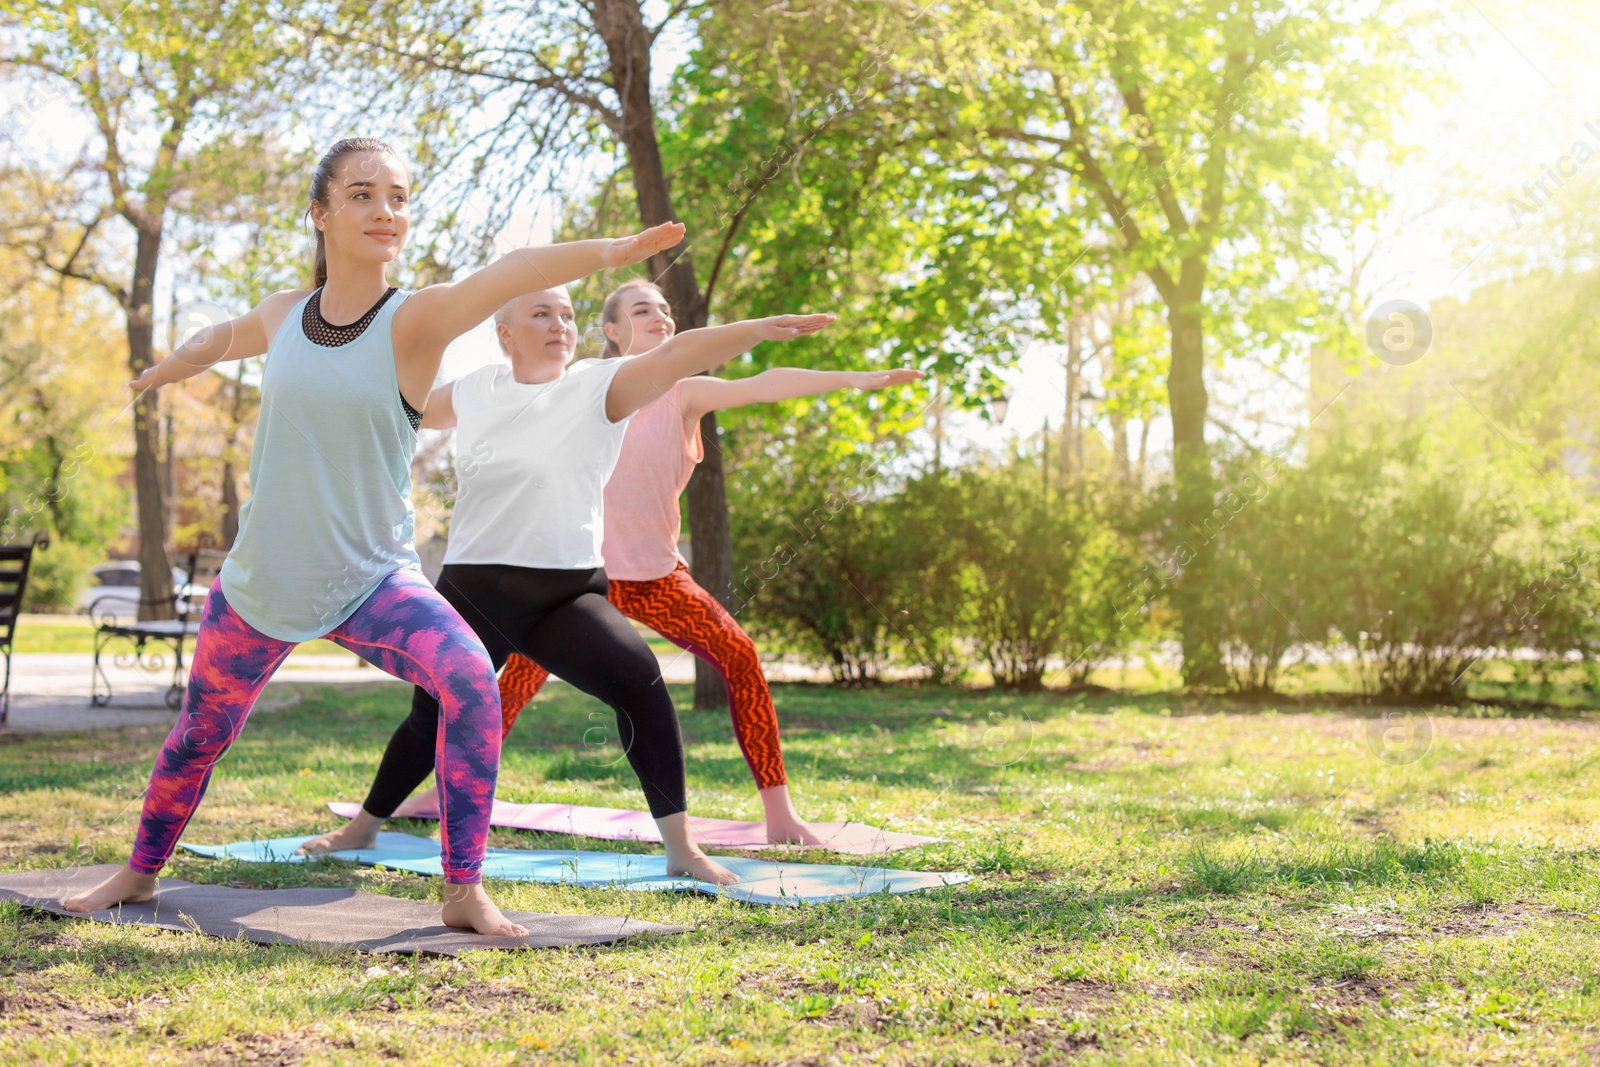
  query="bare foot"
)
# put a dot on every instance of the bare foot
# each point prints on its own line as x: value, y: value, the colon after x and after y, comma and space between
x: 419, y: 805
x: 469, y: 907
x: 127, y: 886
x: 359, y: 832
x: 700, y: 867
x: 793, y: 832
x: 684, y: 856
x: 784, y: 824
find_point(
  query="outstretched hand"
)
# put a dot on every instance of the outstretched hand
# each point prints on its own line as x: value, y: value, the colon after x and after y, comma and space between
x: 868, y: 380
x: 626, y: 251
x: 146, y: 381
x: 788, y: 327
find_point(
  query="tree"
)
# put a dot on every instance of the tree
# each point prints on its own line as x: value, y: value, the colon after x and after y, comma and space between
x: 58, y: 461
x: 804, y: 139
x: 1212, y: 139
x: 561, y: 81
x: 242, y: 244
x: 170, y: 91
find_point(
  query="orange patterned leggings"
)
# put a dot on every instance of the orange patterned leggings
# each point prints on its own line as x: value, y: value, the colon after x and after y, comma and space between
x: 688, y: 616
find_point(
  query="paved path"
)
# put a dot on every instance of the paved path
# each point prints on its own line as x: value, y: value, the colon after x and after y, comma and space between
x: 50, y: 691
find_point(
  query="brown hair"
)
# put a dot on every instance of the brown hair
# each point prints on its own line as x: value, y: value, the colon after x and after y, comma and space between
x: 321, y: 179
x: 611, y: 310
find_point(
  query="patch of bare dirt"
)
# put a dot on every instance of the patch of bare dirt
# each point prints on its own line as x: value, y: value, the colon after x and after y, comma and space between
x: 39, y: 1013
x: 39, y: 948
x: 1062, y: 1019
x: 1493, y: 920
x: 1353, y: 993
x: 1353, y: 1001
x: 1075, y: 995
x: 1044, y: 1047
x: 1464, y: 920
x: 254, y: 1048
x: 46, y: 940
x: 27, y: 1011
x: 1369, y: 823
x: 1369, y: 924
x: 478, y: 996
x: 1193, y: 942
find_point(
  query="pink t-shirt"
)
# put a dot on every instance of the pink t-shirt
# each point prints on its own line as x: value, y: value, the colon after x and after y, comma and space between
x: 641, y: 499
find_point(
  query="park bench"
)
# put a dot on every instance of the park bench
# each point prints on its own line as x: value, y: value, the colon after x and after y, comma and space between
x: 14, y: 561
x: 187, y: 602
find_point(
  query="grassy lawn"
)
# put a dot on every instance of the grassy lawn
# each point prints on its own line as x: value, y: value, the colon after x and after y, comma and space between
x: 1160, y: 880
x: 75, y: 633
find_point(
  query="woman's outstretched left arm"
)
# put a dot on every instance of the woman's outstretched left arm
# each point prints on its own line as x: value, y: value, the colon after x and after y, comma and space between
x: 700, y: 395
x: 644, y: 379
x: 433, y: 317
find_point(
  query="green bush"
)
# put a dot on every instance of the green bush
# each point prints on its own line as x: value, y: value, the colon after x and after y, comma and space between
x: 57, y: 574
x: 983, y: 562
x: 1403, y: 561
x: 1417, y: 556
x: 1454, y: 559
x: 932, y: 584
x: 1045, y: 573
x: 820, y: 582
x: 1273, y: 538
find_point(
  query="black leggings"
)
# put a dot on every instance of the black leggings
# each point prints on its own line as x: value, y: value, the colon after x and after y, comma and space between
x: 562, y: 621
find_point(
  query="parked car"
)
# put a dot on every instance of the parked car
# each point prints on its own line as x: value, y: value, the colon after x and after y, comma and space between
x: 113, y: 591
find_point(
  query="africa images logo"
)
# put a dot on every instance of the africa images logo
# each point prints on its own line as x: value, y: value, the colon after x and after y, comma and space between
x: 1538, y: 192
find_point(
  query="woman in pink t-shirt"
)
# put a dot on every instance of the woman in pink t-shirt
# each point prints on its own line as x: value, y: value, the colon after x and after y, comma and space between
x: 649, y: 581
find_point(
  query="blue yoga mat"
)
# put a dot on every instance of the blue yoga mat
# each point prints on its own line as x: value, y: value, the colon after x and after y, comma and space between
x: 760, y: 881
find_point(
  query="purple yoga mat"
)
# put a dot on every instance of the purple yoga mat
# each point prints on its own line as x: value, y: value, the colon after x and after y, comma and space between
x: 617, y: 824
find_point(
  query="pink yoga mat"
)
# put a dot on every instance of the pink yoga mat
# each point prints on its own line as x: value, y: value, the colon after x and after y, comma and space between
x: 616, y: 824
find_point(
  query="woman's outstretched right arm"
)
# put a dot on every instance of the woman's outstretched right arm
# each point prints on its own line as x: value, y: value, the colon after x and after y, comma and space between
x: 240, y: 338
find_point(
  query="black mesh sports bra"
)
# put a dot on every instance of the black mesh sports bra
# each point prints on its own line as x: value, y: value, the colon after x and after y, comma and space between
x: 319, y: 331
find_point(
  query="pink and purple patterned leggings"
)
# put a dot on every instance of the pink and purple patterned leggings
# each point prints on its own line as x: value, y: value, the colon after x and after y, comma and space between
x: 405, y: 628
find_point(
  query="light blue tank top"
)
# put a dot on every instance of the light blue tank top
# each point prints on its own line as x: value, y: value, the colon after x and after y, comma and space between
x: 329, y: 514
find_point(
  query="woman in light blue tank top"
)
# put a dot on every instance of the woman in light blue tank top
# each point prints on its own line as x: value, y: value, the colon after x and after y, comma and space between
x: 325, y: 545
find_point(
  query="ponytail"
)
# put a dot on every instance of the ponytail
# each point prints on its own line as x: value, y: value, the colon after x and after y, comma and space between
x: 319, y: 265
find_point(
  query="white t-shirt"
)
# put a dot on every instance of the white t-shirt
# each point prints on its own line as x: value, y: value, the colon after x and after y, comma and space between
x: 531, y: 467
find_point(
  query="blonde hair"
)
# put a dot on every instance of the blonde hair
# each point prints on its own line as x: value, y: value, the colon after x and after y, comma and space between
x: 503, y: 316
x: 611, y: 310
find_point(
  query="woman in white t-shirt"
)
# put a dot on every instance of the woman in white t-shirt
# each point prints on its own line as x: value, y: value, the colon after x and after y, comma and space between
x: 536, y: 441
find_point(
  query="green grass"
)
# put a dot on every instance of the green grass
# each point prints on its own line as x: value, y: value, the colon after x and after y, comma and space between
x: 75, y: 633
x: 1159, y: 880
x: 54, y: 633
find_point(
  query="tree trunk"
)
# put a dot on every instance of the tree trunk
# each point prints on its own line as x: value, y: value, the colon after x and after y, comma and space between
x: 230, y: 506
x: 230, y: 477
x: 1186, y: 393
x: 712, y: 539
x: 1070, y: 453
x: 1119, y: 445
x: 620, y: 24
x: 155, y: 560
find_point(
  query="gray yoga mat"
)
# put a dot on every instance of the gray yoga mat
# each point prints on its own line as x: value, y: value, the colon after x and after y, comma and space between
x: 347, y: 918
